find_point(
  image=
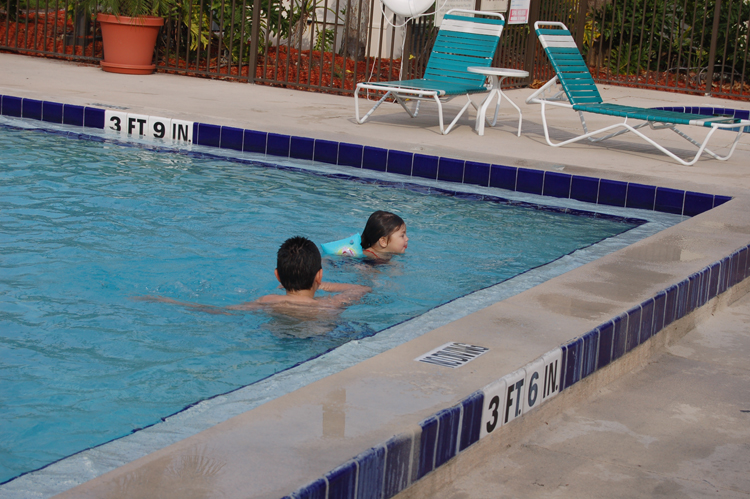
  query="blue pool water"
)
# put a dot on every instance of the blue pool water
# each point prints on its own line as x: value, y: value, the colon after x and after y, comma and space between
x: 86, y: 226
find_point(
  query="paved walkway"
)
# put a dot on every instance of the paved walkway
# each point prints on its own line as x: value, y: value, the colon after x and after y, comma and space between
x: 690, y: 437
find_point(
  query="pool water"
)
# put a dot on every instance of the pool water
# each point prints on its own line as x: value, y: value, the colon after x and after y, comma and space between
x: 86, y: 226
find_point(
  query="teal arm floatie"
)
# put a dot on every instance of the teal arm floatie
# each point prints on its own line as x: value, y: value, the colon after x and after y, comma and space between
x: 349, y: 246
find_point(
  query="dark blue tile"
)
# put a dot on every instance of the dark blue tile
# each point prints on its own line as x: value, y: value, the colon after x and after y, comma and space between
x: 660, y: 304
x: 670, y: 305
x: 584, y: 189
x: 425, y: 166
x: 669, y: 200
x: 742, y: 264
x: 619, y: 336
x: 726, y: 275
x: 503, y: 177
x: 93, y: 117
x: 723, y: 272
x: 375, y: 158
x: 571, y: 363
x: 400, y: 162
x: 397, y: 465
x: 73, y: 115
x: 557, y: 184
x: 705, y: 283
x: 713, y: 282
x: 681, y: 306
x: 255, y: 141
x: 477, y: 173
x: 52, y: 112
x: 448, y: 432
x: 590, y: 352
x: 12, y: 106
x: 451, y: 170
x: 472, y: 420
x: 720, y: 200
x: 301, y: 148
x: 612, y: 192
x: 342, y: 482
x: 327, y: 151
x: 694, y: 288
x: 32, y: 109
x: 194, y: 138
x: 208, y: 135
x: 231, y: 138
x: 734, y: 272
x: 647, y: 320
x: 427, y: 444
x: 606, y: 335
x: 696, y: 203
x: 371, y: 471
x: 634, y: 328
x: 530, y: 181
x: 351, y: 155
x: 641, y: 196
x: 278, y: 145
x: 315, y: 490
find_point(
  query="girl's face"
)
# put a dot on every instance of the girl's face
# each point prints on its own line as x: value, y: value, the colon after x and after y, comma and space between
x: 396, y: 242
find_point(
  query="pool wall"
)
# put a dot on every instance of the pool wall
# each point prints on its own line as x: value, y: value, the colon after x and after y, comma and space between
x: 470, y: 407
x: 545, y: 183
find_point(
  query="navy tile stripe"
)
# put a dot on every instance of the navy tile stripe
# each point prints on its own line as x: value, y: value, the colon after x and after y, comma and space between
x: 546, y: 183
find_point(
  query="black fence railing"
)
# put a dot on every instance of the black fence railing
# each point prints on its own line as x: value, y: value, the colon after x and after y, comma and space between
x: 695, y: 46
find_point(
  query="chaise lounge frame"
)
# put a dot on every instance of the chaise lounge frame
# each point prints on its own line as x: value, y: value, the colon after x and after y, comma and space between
x: 462, y: 41
x: 579, y: 93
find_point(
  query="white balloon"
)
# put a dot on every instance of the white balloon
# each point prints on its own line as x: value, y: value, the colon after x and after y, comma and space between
x: 408, y: 8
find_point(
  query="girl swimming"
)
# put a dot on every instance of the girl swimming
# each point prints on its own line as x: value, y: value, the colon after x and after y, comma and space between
x: 384, y: 236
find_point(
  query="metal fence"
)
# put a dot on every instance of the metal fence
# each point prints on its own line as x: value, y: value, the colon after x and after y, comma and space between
x: 695, y: 46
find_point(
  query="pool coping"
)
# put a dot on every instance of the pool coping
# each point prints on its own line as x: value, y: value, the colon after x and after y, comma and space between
x: 444, y: 434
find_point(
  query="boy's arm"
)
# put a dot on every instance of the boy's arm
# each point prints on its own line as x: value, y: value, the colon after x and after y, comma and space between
x: 210, y: 309
x: 347, y: 293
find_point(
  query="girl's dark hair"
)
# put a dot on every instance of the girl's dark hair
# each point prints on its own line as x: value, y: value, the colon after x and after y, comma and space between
x: 380, y: 224
x: 297, y: 262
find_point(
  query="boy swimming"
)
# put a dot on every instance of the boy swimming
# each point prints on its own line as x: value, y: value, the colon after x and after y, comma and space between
x: 300, y: 272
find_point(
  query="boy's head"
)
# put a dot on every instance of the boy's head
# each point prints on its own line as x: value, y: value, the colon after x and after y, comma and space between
x: 297, y: 263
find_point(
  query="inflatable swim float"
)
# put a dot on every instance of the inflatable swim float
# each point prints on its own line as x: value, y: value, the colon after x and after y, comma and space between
x: 349, y: 246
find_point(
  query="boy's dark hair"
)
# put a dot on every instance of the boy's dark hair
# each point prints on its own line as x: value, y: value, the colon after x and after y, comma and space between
x: 380, y: 224
x: 297, y: 262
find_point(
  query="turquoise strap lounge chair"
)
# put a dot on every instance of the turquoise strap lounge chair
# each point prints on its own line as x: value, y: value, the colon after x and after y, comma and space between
x: 579, y: 93
x: 462, y: 41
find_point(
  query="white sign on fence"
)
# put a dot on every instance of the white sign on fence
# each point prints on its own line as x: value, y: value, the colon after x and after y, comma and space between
x: 494, y: 5
x: 446, y: 5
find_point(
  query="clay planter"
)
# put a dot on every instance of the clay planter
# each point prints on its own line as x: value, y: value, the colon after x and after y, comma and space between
x: 129, y: 43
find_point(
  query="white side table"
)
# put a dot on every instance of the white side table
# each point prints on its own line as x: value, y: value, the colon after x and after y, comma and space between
x: 496, y: 90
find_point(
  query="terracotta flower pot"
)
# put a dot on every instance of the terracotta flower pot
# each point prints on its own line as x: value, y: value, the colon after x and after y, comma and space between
x: 129, y: 43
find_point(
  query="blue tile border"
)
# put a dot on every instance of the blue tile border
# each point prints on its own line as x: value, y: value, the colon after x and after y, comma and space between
x: 386, y: 470
x: 545, y: 183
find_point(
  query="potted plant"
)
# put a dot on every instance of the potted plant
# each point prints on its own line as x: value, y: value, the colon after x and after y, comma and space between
x: 129, y: 32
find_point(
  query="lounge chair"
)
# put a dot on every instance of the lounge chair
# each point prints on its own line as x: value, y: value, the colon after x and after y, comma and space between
x: 462, y: 41
x: 580, y: 91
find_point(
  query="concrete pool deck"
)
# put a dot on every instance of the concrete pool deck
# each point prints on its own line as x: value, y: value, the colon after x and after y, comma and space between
x: 389, y: 394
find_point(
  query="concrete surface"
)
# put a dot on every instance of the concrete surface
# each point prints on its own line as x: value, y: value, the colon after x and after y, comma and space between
x: 272, y: 450
x: 679, y: 427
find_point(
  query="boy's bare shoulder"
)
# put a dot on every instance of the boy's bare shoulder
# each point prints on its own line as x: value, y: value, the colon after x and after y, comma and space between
x: 284, y: 301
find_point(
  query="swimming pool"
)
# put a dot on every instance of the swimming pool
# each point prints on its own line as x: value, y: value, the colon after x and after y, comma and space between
x: 85, y: 234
